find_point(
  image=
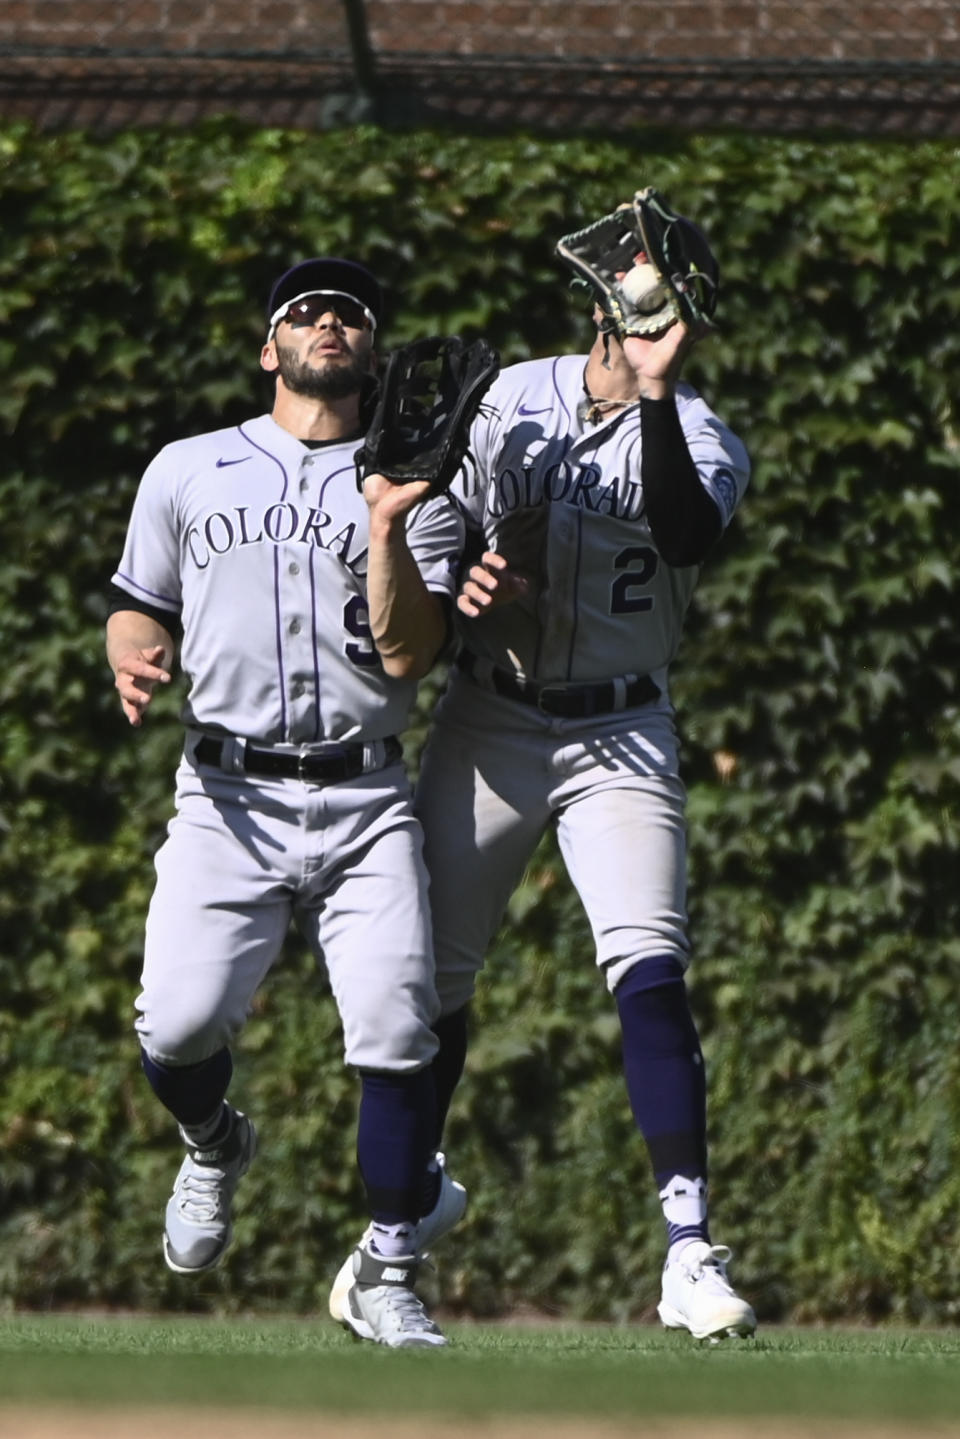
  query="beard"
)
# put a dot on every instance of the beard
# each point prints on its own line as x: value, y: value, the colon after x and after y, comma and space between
x: 333, y: 381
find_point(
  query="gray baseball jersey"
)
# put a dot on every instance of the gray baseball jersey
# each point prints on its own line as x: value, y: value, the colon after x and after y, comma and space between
x: 259, y: 542
x: 561, y: 498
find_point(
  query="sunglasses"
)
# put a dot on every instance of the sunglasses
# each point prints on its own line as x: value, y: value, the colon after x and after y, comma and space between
x: 308, y: 309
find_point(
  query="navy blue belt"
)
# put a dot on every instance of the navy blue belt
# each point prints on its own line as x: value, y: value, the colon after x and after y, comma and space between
x: 574, y: 701
x: 345, y: 761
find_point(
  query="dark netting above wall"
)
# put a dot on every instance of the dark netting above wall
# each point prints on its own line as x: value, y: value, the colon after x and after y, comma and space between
x: 603, y: 66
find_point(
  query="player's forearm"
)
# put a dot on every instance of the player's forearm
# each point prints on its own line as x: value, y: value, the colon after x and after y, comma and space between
x: 407, y: 621
x: 683, y: 519
x: 131, y: 630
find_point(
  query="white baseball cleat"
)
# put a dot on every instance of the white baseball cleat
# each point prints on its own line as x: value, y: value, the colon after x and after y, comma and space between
x: 380, y: 1303
x: 697, y: 1295
x: 449, y: 1209
x: 198, y: 1228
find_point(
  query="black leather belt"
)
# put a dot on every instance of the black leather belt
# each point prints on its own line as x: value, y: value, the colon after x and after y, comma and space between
x: 576, y: 701
x: 346, y: 761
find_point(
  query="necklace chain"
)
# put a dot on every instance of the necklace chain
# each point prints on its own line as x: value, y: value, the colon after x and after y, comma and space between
x: 596, y: 403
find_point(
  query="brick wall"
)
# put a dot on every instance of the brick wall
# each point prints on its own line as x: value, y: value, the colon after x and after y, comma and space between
x: 865, y: 67
x: 168, y: 25
x: 687, y: 30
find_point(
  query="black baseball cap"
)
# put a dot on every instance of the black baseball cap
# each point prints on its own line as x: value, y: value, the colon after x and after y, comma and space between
x: 342, y: 277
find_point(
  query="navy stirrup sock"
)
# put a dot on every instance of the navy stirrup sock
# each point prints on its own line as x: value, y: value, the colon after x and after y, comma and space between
x: 193, y: 1093
x: 663, y: 1067
x: 395, y: 1136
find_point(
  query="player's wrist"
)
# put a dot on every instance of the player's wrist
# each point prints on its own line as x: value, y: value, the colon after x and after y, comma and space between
x: 387, y: 527
x: 656, y: 390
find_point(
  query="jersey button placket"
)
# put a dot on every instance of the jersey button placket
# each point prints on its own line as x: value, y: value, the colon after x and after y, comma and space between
x: 301, y: 723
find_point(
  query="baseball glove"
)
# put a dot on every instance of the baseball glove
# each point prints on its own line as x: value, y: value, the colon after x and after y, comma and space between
x: 431, y: 392
x: 647, y: 266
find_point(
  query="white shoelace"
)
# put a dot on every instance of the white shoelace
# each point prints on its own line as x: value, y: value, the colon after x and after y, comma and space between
x: 409, y: 1310
x: 199, y: 1200
x: 710, y: 1266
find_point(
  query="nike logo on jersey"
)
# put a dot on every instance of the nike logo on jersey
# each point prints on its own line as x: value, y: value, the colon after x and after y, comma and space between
x: 242, y: 461
x: 543, y: 410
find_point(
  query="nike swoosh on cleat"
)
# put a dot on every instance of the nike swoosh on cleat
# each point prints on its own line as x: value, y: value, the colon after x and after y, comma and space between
x: 242, y: 461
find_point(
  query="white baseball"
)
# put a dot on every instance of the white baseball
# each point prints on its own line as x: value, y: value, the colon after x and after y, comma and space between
x: 639, y: 281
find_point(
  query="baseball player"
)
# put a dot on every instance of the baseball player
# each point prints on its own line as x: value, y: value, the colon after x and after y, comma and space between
x: 307, y: 611
x: 600, y: 484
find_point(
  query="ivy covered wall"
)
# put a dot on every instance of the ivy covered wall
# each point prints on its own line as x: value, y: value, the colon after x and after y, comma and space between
x: 817, y: 690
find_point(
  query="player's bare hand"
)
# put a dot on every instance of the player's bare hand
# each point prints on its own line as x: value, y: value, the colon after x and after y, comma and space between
x: 657, y: 360
x: 137, y: 675
x: 389, y: 502
x: 491, y: 582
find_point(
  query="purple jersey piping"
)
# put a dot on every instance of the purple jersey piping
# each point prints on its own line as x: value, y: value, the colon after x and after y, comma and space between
x: 568, y: 441
x: 164, y: 599
x: 556, y: 387
x: 577, y: 570
x: 276, y: 583
x: 576, y: 595
x: 318, y: 727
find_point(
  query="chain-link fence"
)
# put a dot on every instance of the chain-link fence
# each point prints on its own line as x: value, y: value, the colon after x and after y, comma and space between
x: 871, y: 68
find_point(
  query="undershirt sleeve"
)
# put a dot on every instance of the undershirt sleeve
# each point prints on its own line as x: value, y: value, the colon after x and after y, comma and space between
x: 683, y: 518
x: 119, y: 599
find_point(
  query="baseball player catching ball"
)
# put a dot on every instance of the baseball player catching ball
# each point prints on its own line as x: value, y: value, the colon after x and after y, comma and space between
x: 600, y: 483
x: 308, y: 612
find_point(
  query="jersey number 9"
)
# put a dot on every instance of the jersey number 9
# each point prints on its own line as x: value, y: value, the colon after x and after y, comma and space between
x: 356, y: 622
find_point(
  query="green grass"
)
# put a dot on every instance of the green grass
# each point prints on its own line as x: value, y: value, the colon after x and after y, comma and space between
x: 878, y: 1374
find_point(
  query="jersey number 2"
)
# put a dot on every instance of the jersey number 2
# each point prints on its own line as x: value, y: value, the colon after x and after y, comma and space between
x: 639, y: 565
